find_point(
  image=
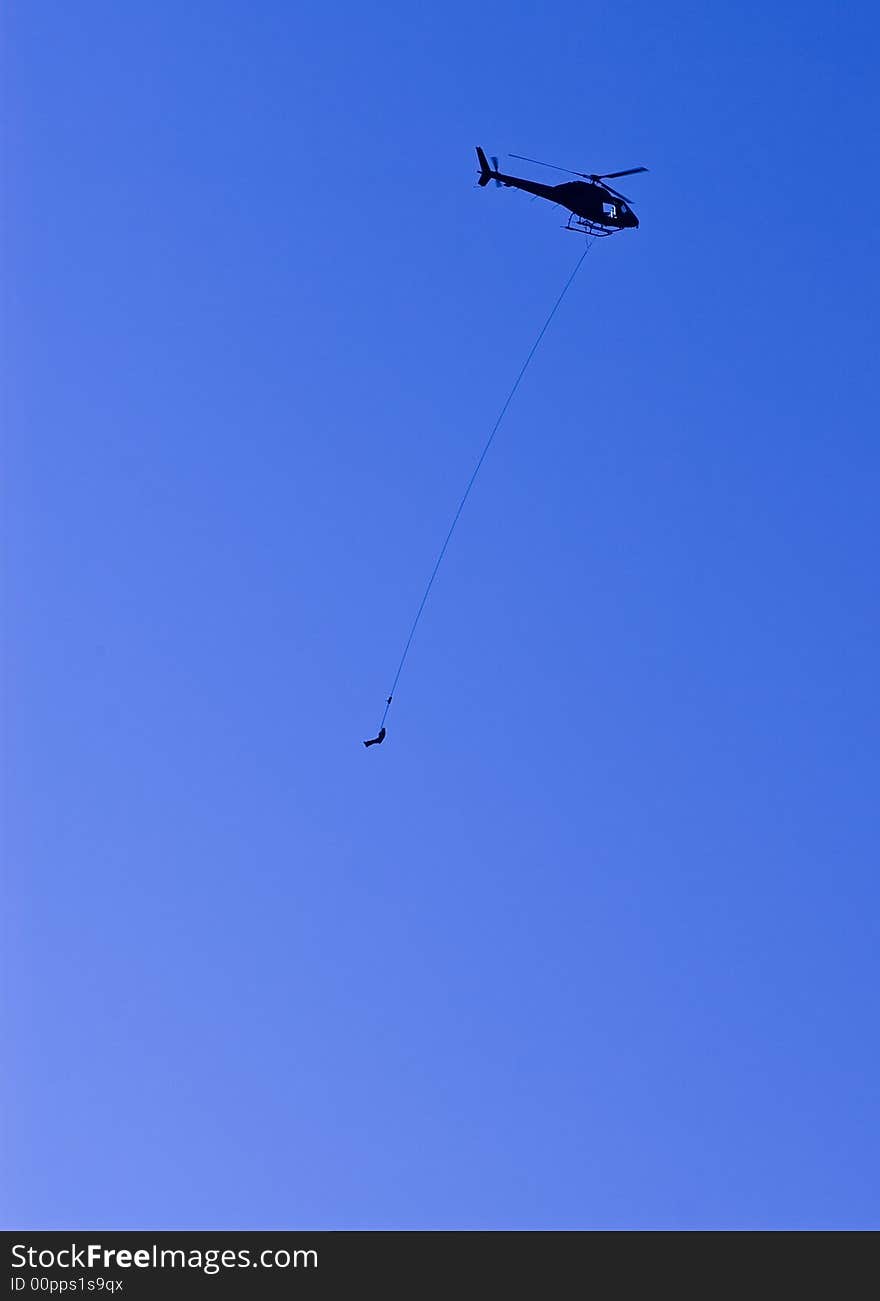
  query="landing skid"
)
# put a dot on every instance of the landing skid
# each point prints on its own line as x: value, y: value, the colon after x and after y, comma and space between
x: 583, y: 226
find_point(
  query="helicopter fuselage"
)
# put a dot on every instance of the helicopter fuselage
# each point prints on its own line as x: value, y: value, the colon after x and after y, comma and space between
x: 586, y: 199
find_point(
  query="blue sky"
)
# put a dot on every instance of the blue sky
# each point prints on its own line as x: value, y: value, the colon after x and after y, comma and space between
x: 591, y: 941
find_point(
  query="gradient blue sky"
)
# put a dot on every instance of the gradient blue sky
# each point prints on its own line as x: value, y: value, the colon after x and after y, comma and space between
x: 592, y: 940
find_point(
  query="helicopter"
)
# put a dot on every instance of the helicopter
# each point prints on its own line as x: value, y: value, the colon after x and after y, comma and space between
x: 594, y: 208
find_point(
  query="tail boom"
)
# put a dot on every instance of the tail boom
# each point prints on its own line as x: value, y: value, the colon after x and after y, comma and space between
x: 488, y: 174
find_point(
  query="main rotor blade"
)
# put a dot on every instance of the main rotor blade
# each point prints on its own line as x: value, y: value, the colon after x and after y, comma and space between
x: 589, y: 176
x: 609, y: 176
x: 554, y: 166
x: 617, y: 193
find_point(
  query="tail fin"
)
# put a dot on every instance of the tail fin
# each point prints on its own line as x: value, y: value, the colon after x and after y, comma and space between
x: 485, y: 170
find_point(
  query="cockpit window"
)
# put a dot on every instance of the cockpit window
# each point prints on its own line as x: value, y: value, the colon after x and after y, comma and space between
x: 609, y: 209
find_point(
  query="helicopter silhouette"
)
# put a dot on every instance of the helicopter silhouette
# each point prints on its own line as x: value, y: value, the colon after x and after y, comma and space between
x: 594, y: 208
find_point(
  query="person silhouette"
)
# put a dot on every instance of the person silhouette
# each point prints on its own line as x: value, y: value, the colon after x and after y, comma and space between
x: 377, y: 740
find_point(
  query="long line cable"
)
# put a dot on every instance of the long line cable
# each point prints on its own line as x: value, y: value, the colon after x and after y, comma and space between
x: 472, y: 480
